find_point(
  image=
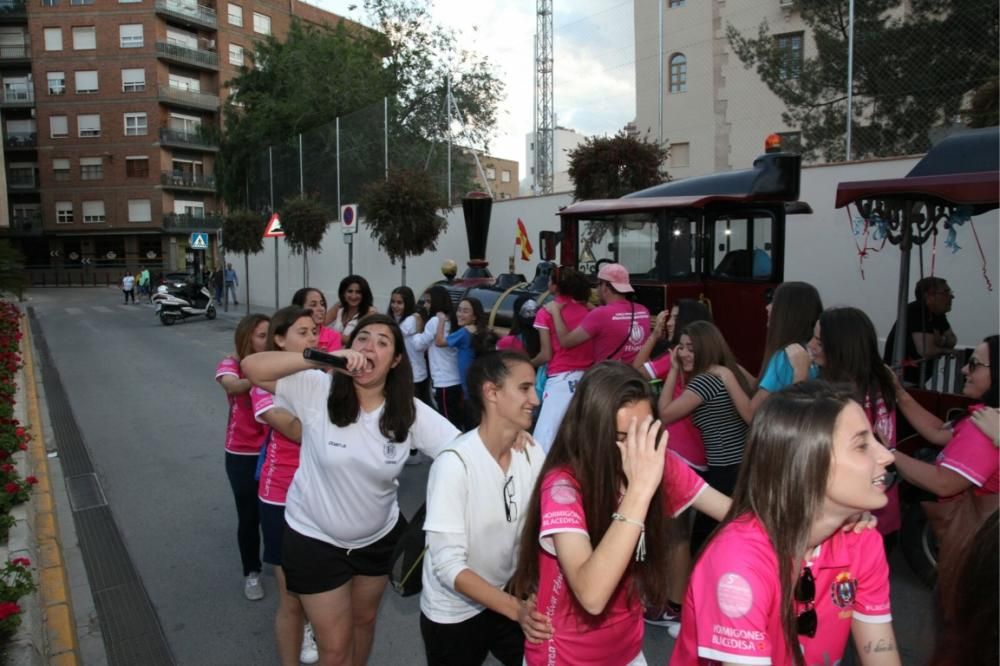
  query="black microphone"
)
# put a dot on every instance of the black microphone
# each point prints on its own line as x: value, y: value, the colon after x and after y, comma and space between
x: 322, y: 357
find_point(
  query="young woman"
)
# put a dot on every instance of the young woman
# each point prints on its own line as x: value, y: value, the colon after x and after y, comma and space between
x: 472, y: 536
x: 780, y: 582
x: 845, y: 348
x: 292, y: 329
x: 595, y: 542
x: 565, y: 365
x: 403, y: 310
x: 668, y: 327
x: 355, y: 301
x: 342, y: 518
x: 442, y: 362
x: 522, y: 337
x: 471, y: 339
x: 791, y: 314
x: 128, y: 287
x: 244, y: 438
x: 313, y: 299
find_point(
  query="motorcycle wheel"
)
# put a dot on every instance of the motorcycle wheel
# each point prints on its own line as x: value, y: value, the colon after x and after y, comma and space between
x: 210, y: 312
x: 166, y: 319
x: 920, y: 547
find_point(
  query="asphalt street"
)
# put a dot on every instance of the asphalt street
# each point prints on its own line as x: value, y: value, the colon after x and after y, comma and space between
x: 153, y: 419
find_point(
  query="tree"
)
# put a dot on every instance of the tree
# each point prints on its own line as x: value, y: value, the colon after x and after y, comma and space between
x: 12, y: 277
x: 915, y: 63
x: 304, y: 222
x: 402, y: 214
x: 611, y: 167
x: 243, y: 232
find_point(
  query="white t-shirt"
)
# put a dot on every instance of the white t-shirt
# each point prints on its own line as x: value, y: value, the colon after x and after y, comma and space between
x: 414, y: 349
x: 344, y: 492
x: 467, y: 525
x: 128, y: 283
x: 443, y: 360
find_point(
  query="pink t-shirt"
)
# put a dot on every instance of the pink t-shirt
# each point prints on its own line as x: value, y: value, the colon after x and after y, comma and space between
x: 580, y: 357
x: 609, y: 325
x: 281, y: 459
x: 972, y: 454
x: 329, y: 340
x: 614, y: 636
x: 510, y: 343
x: 244, y: 435
x: 732, y: 610
x: 685, y: 438
x: 883, y: 422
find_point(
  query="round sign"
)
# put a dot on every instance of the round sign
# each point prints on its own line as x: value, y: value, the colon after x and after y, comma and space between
x: 348, y: 216
x: 111, y: 254
x: 74, y: 256
x: 151, y: 254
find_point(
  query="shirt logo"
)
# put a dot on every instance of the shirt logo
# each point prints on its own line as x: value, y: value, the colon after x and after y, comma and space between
x: 389, y: 451
x: 562, y: 492
x: 844, y: 590
x: 734, y: 595
x: 339, y: 445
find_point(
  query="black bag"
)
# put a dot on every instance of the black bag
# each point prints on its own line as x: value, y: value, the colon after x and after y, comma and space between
x: 408, y: 556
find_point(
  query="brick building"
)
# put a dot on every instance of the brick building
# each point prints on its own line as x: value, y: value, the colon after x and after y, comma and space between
x: 111, y: 117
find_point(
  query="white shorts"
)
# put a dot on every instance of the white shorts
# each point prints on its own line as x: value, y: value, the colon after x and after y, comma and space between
x: 559, y: 391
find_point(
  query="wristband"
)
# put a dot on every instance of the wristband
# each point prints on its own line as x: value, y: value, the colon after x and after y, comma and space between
x: 640, y: 548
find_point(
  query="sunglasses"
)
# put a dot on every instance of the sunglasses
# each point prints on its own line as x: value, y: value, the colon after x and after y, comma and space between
x: 974, y: 364
x: 509, y: 505
x: 805, y: 593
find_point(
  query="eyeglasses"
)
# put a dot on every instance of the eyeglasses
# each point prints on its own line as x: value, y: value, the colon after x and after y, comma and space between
x: 509, y: 505
x: 805, y: 593
x: 974, y: 364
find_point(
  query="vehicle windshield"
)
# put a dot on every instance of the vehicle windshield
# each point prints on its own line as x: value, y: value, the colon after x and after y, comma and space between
x: 640, y: 243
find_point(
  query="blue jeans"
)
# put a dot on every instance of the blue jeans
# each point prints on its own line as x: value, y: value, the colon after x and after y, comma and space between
x: 231, y: 291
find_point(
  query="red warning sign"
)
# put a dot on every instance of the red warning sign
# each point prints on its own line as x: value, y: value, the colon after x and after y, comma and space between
x: 274, y: 229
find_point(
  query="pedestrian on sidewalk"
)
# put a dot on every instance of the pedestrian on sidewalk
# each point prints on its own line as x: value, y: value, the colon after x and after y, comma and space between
x: 128, y: 287
x: 231, y: 283
x: 144, y: 286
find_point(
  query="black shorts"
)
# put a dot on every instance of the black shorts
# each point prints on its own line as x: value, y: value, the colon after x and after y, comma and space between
x: 312, y: 566
x: 272, y: 527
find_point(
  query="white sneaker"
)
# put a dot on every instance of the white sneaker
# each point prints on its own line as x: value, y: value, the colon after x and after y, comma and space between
x: 309, y: 653
x: 674, y: 630
x: 253, y: 589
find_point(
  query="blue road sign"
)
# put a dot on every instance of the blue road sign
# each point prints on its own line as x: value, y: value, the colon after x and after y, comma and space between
x: 199, y: 241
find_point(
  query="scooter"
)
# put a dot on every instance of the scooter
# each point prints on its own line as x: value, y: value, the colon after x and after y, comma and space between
x: 186, y: 301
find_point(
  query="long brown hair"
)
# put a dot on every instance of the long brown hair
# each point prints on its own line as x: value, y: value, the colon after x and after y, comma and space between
x: 850, y: 347
x: 710, y: 348
x: 784, y: 477
x: 243, y: 338
x: 794, y: 310
x: 585, y: 446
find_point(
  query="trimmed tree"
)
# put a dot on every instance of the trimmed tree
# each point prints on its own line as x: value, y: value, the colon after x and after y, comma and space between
x: 402, y: 213
x: 610, y: 167
x: 304, y: 222
x: 243, y: 232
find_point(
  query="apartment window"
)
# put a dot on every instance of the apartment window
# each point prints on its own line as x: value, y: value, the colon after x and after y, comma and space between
x: 186, y: 124
x: 678, y: 73
x: 130, y: 35
x: 53, y: 39
x: 56, y: 82
x: 139, y: 210
x: 192, y: 208
x: 235, y: 14
x: 125, y: 2
x: 236, y: 55
x: 58, y: 127
x: 84, y: 38
x: 86, y: 82
x: 505, y: 176
x: 64, y: 212
x: 81, y: 2
x: 89, y: 125
x: 261, y: 23
x: 91, y: 168
x: 680, y: 155
x: 675, y: 3
x: 789, y: 55
x: 50, y: 3
x: 22, y: 174
x: 185, y: 83
x: 135, y: 124
x: 491, y: 173
x: 137, y: 167
x: 133, y: 80
x: 93, y: 211
x: 60, y: 168
x: 188, y: 40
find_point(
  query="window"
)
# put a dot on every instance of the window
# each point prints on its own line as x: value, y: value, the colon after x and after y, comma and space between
x: 130, y: 35
x: 58, y: 127
x: 680, y: 155
x: 53, y: 39
x: 235, y: 14
x: 185, y: 83
x: 791, y: 142
x: 93, y: 211
x: 89, y: 124
x: 491, y: 173
x: 187, y: 124
x: 789, y: 55
x: 133, y: 80
x: 236, y: 55
x: 137, y: 167
x: 742, y: 246
x: 124, y: 2
x: 678, y: 73
x: 81, y: 2
x: 261, y: 24
x: 135, y: 124
x: 91, y: 168
x: 505, y: 176
x: 675, y: 3
x: 86, y: 82
x: 60, y: 168
x: 50, y: 3
x: 84, y: 38
x: 22, y: 174
x: 64, y: 212
x: 139, y: 210
x: 192, y: 208
x: 56, y: 83
x: 188, y: 40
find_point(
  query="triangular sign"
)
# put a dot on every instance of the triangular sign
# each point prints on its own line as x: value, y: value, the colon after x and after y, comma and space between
x: 274, y: 229
x: 199, y: 242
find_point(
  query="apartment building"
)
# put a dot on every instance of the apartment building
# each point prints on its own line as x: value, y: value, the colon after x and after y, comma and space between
x: 500, y: 175
x: 564, y: 140
x: 111, y: 120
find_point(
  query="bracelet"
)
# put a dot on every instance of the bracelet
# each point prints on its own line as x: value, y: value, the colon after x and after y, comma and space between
x: 640, y: 548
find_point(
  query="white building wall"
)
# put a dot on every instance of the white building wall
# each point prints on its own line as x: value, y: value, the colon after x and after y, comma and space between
x: 564, y: 141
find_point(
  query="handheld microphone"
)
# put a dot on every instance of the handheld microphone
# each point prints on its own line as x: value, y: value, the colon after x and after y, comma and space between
x: 318, y: 356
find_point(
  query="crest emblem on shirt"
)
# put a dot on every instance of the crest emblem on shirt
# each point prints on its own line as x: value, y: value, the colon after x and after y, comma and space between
x: 389, y: 451
x: 844, y: 590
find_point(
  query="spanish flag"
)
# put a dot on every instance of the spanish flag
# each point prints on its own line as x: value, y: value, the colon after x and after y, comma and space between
x: 523, y: 242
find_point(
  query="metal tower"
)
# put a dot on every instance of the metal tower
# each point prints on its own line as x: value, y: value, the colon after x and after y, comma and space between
x: 544, y: 107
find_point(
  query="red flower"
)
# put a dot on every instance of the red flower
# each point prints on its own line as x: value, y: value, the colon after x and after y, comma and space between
x: 12, y: 488
x: 22, y: 446
x: 7, y: 468
x: 23, y: 561
x: 20, y: 432
x: 32, y: 480
x: 8, y: 608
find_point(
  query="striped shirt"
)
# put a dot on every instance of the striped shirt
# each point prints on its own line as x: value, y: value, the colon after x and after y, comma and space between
x: 722, y: 430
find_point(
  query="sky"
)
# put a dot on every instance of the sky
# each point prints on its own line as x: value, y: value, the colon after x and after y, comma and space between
x: 593, y: 67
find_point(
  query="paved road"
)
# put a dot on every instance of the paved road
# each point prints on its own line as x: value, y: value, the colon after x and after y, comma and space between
x: 153, y: 420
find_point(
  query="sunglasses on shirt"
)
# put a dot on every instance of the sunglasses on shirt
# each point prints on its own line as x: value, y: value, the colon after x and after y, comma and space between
x: 509, y: 505
x: 805, y: 593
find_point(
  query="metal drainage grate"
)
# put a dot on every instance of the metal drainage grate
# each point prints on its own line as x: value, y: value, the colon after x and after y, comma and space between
x: 85, y: 492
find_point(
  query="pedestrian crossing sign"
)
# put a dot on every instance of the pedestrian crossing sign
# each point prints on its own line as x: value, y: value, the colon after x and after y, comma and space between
x: 199, y: 241
x: 274, y: 229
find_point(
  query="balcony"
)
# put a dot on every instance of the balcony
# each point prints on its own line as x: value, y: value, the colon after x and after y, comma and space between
x: 15, y: 53
x: 191, y: 100
x: 20, y: 141
x: 22, y: 181
x: 180, y: 180
x: 182, y: 223
x: 188, y: 13
x: 13, y: 99
x: 203, y: 139
x: 13, y: 11
x: 25, y: 226
x: 185, y: 56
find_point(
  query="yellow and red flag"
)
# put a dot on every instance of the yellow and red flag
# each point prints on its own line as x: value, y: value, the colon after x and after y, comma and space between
x: 523, y: 242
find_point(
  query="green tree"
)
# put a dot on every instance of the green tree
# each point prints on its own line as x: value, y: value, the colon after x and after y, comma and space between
x: 402, y: 214
x: 610, y: 167
x: 304, y: 222
x: 915, y: 62
x: 12, y: 276
x: 243, y: 232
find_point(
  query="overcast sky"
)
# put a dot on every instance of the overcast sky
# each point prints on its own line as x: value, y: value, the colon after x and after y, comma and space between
x: 594, y: 61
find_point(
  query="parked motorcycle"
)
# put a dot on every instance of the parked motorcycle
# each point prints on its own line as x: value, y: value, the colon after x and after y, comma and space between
x: 176, y: 303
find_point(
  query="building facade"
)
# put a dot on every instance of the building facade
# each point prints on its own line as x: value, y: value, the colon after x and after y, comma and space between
x: 500, y: 174
x: 564, y: 141
x: 111, y: 122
